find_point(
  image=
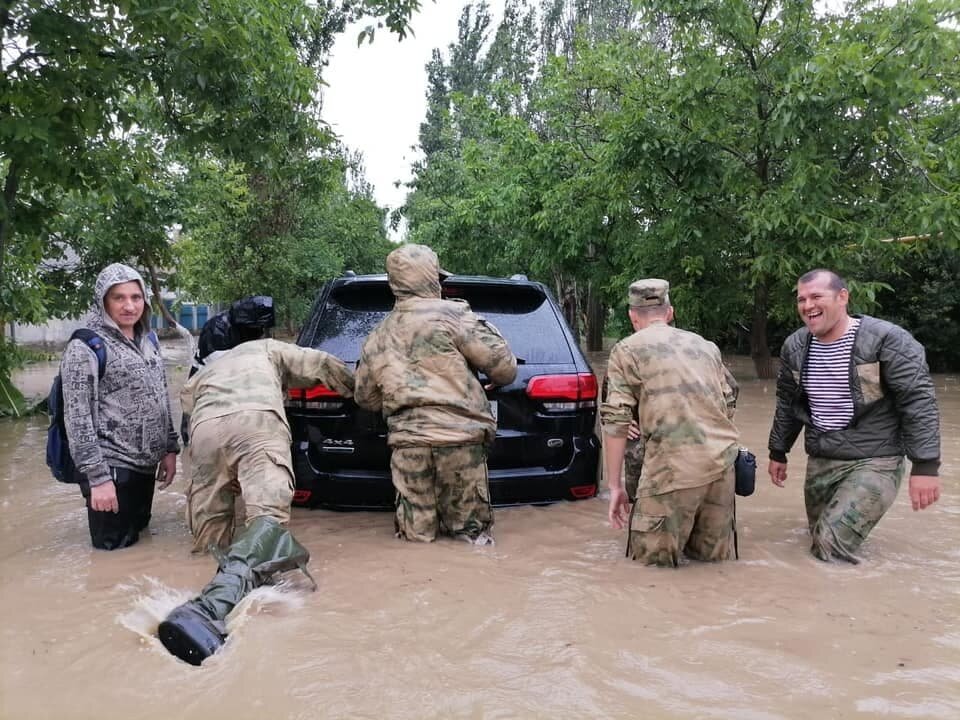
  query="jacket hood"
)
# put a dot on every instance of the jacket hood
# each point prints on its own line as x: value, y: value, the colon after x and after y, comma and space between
x: 413, y: 271
x: 114, y: 275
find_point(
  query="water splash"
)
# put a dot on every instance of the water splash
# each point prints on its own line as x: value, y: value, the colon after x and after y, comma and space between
x: 152, y: 602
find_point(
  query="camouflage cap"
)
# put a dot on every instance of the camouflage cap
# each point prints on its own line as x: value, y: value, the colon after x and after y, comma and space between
x: 649, y: 292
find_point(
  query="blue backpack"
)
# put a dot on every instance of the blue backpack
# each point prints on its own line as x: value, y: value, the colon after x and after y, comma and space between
x: 58, y: 450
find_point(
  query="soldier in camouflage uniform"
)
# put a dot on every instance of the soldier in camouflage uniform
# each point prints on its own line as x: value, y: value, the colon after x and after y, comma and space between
x: 684, y: 397
x: 240, y: 439
x: 419, y: 368
x: 241, y: 445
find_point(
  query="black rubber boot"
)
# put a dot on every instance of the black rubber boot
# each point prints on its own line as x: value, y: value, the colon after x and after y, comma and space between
x: 195, y: 630
x: 190, y: 635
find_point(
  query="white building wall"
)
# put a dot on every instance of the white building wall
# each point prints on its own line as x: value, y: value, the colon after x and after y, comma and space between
x: 54, y: 332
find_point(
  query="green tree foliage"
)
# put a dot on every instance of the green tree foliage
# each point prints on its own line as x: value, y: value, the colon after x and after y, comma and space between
x: 79, y: 72
x: 760, y: 136
x: 236, y: 77
x: 727, y: 145
x: 281, y: 235
x: 922, y: 292
x: 509, y: 181
x: 99, y: 100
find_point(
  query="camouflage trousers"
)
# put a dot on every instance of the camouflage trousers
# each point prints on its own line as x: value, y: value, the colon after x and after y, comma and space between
x: 845, y: 499
x: 693, y: 522
x: 244, y: 454
x: 633, y: 466
x: 441, y: 489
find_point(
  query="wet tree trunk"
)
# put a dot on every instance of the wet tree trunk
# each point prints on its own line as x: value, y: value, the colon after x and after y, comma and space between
x: 763, y: 362
x: 155, y: 286
x: 571, y: 310
x: 595, y: 320
x: 11, y: 185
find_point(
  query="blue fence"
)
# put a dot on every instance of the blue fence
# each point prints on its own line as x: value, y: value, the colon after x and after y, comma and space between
x: 191, y: 315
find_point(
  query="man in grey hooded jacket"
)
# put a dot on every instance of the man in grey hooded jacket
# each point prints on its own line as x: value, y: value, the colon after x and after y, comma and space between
x: 119, y: 426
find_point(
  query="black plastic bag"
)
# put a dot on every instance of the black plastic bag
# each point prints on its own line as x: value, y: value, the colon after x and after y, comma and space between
x: 745, y: 468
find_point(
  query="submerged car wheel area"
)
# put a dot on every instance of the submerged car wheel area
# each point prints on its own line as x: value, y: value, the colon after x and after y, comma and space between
x: 546, y: 447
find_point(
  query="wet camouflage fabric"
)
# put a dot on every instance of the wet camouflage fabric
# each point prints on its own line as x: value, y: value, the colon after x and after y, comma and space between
x: 254, y: 375
x: 239, y: 432
x: 696, y: 523
x: 845, y: 499
x: 632, y: 454
x: 122, y: 419
x: 632, y: 466
x: 245, y: 454
x: 685, y: 399
x: 419, y: 365
x: 441, y: 490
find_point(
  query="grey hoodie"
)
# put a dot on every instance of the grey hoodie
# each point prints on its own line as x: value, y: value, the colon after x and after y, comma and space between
x: 123, y: 419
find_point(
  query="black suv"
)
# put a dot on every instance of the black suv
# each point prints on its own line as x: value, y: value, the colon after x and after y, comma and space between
x: 546, y: 447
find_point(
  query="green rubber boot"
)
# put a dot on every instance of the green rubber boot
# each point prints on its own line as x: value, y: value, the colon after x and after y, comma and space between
x: 196, y: 630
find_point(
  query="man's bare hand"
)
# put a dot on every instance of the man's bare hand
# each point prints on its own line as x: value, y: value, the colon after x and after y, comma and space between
x: 924, y: 490
x: 619, y: 510
x: 103, y: 497
x: 166, y: 470
x: 778, y: 472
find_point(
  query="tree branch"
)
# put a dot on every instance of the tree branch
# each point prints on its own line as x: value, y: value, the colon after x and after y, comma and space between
x: 758, y: 21
x: 923, y: 173
x: 10, y: 186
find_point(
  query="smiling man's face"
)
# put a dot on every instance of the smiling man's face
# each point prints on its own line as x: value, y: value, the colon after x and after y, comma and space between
x: 822, y: 309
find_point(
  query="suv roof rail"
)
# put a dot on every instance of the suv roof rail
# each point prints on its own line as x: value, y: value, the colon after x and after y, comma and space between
x: 349, y: 273
x: 519, y: 276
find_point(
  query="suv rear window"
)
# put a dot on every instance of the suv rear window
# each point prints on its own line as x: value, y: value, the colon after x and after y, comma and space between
x: 520, y: 312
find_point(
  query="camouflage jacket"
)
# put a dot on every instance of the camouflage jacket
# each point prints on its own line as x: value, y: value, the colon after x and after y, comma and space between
x: 419, y: 368
x: 122, y: 419
x: 685, y: 398
x: 253, y: 376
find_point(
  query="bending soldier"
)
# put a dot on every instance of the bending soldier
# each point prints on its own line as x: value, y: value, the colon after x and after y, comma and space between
x: 240, y: 444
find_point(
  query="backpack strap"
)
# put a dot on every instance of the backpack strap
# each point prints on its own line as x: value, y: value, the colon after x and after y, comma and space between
x: 154, y: 340
x: 95, y: 343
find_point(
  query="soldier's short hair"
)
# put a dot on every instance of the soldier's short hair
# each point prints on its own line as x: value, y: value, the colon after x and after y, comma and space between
x: 834, y: 281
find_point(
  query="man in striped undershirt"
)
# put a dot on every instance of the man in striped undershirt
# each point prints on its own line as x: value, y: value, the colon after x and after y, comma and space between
x: 861, y: 389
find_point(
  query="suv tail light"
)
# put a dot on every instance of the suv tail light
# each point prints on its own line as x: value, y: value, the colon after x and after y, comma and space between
x: 302, y: 497
x: 564, y: 393
x: 319, y: 397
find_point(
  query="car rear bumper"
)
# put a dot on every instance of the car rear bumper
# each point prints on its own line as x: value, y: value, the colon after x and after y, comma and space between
x: 346, y: 489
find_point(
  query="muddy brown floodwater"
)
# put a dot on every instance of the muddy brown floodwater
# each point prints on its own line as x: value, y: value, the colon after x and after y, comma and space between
x: 551, y: 622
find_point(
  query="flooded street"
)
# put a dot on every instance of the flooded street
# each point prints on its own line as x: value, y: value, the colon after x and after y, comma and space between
x: 553, y: 621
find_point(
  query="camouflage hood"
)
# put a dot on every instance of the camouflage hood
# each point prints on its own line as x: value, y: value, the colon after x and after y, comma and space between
x: 114, y: 275
x: 413, y: 271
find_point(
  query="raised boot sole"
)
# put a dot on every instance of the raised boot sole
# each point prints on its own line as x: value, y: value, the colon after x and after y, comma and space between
x: 190, y: 635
